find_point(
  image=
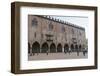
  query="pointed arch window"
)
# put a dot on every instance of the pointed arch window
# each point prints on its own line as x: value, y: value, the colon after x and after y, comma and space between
x: 73, y: 31
x: 63, y: 29
x: 80, y: 33
x: 34, y: 22
x: 35, y: 34
x: 50, y: 26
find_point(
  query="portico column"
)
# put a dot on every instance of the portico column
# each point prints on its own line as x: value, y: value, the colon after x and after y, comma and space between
x: 40, y: 48
x: 56, y: 48
x: 31, y: 49
x: 48, y: 47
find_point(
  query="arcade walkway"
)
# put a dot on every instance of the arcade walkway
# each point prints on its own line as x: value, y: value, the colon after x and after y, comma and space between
x: 53, y: 56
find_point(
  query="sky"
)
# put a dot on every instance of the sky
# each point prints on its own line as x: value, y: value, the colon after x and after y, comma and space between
x: 78, y: 20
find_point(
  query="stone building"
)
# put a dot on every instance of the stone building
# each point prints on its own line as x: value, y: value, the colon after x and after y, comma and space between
x: 47, y: 34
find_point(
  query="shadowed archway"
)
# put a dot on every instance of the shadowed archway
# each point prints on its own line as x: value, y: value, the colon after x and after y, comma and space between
x: 35, y: 47
x: 80, y: 47
x: 76, y: 47
x: 44, y: 47
x: 59, y: 48
x: 72, y: 47
x: 66, y: 48
x: 52, y: 48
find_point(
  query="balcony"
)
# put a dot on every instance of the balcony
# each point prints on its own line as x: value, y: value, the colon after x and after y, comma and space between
x: 49, y: 37
x: 74, y: 40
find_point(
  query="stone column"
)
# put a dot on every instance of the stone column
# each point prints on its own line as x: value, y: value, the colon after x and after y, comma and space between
x: 40, y: 48
x: 48, y: 47
x: 56, y: 48
x: 31, y: 49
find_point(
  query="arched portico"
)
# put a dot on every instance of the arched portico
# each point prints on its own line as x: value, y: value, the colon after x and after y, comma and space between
x: 44, y: 47
x: 59, y: 48
x: 80, y: 47
x: 76, y: 47
x: 52, y: 48
x: 72, y: 47
x: 66, y: 48
x: 35, y: 47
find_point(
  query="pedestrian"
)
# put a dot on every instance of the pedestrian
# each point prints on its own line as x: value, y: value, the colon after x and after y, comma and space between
x: 65, y: 51
x: 77, y: 53
x: 84, y: 53
x: 47, y: 52
x: 33, y: 53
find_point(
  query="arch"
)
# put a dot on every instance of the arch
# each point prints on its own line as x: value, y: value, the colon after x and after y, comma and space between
x: 34, y: 22
x: 66, y: 48
x: 76, y: 47
x: 35, y: 47
x: 52, y: 48
x: 59, y: 48
x: 72, y: 47
x: 44, y: 48
x: 28, y: 47
x: 80, y: 47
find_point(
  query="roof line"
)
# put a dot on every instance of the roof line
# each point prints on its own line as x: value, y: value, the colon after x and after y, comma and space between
x: 61, y: 21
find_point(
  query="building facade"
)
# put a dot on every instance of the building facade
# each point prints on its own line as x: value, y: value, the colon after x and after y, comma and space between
x: 47, y: 34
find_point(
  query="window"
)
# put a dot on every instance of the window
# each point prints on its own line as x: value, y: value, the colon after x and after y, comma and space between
x: 72, y: 31
x: 56, y: 37
x: 80, y: 33
x: 42, y: 36
x: 66, y: 38
x: 34, y: 22
x: 50, y: 26
x: 63, y: 29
